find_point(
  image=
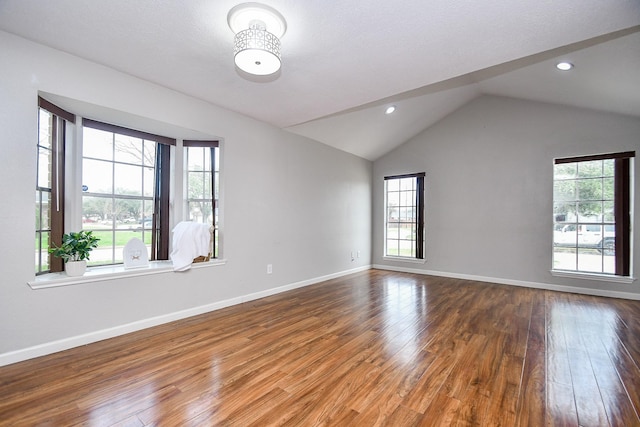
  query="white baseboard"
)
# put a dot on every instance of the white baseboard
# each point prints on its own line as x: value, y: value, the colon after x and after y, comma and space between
x: 88, y: 338
x: 522, y: 283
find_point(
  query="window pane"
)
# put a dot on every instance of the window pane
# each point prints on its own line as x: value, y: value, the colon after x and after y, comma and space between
x: 148, y: 181
x: 97, y: 212
x: 393, y: 184
x: 393, y: 247
x: 563, y: 212
x: 103, y: 254
x: 97, y: 176
x: 127, y: 212
x: 196, y: 158
x: 200, y: 212
x: 407, y: 184
x: 206, y: 191
x: 590, y: 169
x: 128, y: 179
x: 407, y: 198
x: 589, y: 189
x: 44, y: 167
x: 608, y: 168
x: 41, y: 252
x: 565, y: 259
x: 97, y: 144
x: 128, y: 149
x: 393, y: 199
x: 565, y: 171
x: 147, y: 206
x: 564, y: 190
x: 42, y: 210
x: 590, y: 210
x: 393, y: 232
x: 392, y: 214
x: 589, y: 260
x: 608, y: 211
x: 45, y: 124
x: 407, y: 248
x: 195, y: 185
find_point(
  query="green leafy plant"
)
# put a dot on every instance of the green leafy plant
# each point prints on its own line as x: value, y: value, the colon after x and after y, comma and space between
x: 75, y: 246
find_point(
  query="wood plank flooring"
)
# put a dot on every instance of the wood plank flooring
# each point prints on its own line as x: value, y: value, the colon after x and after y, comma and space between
x: 373, y: 348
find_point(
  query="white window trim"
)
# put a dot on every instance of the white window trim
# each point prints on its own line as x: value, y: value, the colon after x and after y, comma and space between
x: 112, y: 272
x: 593, y: 276
x: 405, y: 259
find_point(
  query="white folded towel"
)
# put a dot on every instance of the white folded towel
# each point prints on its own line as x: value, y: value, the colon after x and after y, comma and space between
x: 190, y: 240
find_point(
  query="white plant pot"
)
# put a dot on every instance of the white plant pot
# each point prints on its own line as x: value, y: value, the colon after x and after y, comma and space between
x: 75, y: 268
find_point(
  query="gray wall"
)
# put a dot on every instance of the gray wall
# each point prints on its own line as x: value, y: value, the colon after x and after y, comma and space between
x: 489, y: 188
x: 286, y: 200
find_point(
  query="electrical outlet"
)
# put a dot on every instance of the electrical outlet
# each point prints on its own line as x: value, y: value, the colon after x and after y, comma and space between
x: 269, y: 268
x: 358, y: 254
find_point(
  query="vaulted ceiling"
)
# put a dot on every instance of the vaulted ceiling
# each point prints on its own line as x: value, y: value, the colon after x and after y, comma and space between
x: 345, y: 61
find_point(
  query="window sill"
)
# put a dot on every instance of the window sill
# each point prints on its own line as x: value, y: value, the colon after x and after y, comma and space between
x: 111, y: 272
x: 404, y: 259
x: 593, y: 276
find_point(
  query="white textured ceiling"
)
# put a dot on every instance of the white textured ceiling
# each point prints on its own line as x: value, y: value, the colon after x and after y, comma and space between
x: 344, y: 60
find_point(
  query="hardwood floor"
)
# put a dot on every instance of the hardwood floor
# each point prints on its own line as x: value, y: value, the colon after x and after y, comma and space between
x: 373, y: 348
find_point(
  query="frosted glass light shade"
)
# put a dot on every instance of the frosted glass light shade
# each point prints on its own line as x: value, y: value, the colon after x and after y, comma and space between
x: 257, y: 51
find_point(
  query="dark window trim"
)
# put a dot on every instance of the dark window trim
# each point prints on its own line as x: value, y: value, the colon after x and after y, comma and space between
x: 56, y: 210
x: 408, y: 175
x: 108, y: 127
x: 623, y: 155
x: 160, y: 222
x: 54, y: 109
x: 622, y: 214
x: 197, y: 143
x: 420, y: 206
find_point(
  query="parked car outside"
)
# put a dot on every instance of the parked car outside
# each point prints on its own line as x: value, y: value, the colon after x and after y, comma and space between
x: 586, y: 236
x: 146, y: 224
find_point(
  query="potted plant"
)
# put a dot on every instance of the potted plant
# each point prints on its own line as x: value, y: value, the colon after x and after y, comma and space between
x: 74, y: 251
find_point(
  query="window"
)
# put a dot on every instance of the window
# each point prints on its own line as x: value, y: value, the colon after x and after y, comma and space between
x: 49, y: 209
x: 118, y: 185
x: 404, y: 217
x: 592, y: 214
x: 202, y: 173
x: 125, y: 190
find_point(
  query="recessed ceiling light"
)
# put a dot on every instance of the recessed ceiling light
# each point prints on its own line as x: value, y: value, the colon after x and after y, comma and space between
x: 390, y: 109
x: 564, y: 66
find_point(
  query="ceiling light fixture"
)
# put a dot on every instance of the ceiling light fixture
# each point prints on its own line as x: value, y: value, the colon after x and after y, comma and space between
x: 257, y: 29
x: 390, y: 109
x: 564, y: 66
